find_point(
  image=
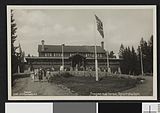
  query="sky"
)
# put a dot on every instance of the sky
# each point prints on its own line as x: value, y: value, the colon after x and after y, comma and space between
x: 78, y: 27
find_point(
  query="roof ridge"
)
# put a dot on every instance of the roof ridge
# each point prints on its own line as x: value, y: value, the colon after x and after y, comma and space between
x: 71, y: 45
x: 71, y: 48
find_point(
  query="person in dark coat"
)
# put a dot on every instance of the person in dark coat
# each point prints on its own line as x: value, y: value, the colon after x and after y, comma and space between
x: 44, y: 71
x: 40, y: 75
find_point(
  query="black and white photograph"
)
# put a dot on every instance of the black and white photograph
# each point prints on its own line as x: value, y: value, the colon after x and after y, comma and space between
x: 82, y: 52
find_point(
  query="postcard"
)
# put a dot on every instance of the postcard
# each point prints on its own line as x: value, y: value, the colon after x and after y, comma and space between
x: 82, y: 52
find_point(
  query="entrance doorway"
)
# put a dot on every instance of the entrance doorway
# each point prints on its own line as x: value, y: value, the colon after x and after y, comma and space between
x: 78, y: 62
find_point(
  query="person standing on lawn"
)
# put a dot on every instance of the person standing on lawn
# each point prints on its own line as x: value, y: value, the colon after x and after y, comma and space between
x: 48, y: 74
x: 40, y: 75
x: 32, y: 75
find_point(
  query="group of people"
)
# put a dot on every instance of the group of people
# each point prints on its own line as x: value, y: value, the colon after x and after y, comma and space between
x: 40, y: 74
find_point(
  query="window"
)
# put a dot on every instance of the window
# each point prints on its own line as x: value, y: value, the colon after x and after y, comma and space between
x: 100, y: 55
x: 45, y: 54
x: 53, y: 54
x: 92, y: 55
x: 50, y: 54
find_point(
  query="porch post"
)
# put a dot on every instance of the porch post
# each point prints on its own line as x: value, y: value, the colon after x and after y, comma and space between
x: 83, y: 64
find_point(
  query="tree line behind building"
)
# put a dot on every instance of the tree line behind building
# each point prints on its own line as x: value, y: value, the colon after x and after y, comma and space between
x: 131, y: 63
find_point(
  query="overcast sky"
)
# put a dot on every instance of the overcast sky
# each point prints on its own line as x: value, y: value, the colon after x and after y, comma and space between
x: 77, y: 27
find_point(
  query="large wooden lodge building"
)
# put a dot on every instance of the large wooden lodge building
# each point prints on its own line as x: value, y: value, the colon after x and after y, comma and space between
x: 81, y: 57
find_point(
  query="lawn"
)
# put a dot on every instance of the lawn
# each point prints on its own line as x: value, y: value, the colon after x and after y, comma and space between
x: 18, y: 76
x: 85, y: 86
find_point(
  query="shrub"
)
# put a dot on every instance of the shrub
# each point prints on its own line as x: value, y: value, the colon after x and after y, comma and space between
x: 66, y: 74
x: 148, y: 74
x: 16, y: 76
x: 50, y: 79
x: 139, y: 79
x: 59, y: 76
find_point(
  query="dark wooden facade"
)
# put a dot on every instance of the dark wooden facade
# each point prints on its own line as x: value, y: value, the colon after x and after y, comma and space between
x: 81, y: 57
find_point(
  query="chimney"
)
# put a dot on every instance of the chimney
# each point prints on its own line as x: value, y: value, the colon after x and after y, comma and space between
x: 42, y: 45
x: 63, y: 45
x: 102, y: 44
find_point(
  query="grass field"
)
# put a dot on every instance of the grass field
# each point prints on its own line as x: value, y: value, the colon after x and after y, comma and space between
x: 84, y: 86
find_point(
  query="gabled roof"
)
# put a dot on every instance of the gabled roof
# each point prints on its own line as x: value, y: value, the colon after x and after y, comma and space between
x: 58, y: 48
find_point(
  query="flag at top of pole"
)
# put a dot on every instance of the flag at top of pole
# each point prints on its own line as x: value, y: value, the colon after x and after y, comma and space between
x: 99, y: 26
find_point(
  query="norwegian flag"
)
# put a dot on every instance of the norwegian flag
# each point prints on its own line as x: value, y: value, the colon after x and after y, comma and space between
x: 99, y: 26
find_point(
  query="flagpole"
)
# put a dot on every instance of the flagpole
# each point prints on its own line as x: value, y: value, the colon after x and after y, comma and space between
x: 96, y: 62
x: 108, y: 70
x: 141, y: 61
x: 18, y: 69
x: 107, y: 53
x: 63, y: 56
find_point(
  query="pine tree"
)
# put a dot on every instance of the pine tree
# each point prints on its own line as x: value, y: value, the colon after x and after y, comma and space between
x: 134, y: 61
x: 21, y: 56
x: 131, y: 60
x: 147, y: 54
x: 14, y: 57
x: 111, y: 55
x: 128, y: 60
x: 121, y: 50
x: 150, y: 55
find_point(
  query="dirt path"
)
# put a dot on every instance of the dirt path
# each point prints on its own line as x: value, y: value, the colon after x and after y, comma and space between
x: 26, y: 86
x: 144, y: 89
